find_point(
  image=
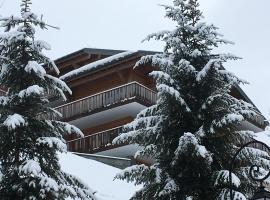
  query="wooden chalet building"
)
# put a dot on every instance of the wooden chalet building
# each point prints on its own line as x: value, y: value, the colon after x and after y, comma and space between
x: 107, y: 94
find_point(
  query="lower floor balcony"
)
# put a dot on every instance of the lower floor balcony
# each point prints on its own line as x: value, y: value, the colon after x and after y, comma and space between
x: 96, y: 142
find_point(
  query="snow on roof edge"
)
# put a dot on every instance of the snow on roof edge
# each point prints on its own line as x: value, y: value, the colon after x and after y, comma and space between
x: 96, y: 64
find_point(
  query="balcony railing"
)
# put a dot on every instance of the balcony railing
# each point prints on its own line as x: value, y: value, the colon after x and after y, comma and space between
x: 121, y: 94
x: 95, y: 142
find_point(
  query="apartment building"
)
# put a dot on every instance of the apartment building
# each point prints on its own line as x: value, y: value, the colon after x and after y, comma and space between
x: 107, y: 94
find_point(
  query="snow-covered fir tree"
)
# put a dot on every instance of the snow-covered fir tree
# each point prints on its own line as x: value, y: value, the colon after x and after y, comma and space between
x: 195, y: 127
x: 30, y: 141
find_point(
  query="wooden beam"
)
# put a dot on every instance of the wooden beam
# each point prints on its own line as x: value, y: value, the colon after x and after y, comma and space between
x: 74, y: 61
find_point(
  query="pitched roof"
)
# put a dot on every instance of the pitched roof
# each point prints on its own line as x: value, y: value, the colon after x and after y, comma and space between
x: 114, y: 56
x: 97, y: 64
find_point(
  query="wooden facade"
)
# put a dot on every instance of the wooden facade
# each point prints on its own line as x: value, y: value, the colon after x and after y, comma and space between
x: 108, y: 87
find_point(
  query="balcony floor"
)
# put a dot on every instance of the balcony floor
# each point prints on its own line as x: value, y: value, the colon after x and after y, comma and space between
x: 127, y: 151
x: 108, y: 115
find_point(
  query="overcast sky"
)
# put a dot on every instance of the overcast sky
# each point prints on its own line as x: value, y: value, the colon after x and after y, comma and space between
x: 122, y: 24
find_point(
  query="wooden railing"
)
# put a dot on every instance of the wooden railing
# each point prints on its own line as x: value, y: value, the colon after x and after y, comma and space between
x: 94, y: 142
x: 133, y: 90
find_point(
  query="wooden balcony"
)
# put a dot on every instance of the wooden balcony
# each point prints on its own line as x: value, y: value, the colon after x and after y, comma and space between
x: 123, y: 94
x: 95, y: 142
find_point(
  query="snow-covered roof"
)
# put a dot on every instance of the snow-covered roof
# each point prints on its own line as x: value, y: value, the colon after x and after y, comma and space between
x: 94, y: 65
x: 98, y: 176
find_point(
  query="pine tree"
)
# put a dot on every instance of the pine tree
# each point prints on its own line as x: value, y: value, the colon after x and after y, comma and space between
x: 29, y: 140
x: 195, y: 127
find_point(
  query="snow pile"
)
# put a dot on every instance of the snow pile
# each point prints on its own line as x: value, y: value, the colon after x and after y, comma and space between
x: 98, y: 176
x: 96, y: 64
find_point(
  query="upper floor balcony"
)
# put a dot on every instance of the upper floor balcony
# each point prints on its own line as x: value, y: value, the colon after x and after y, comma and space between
x: 124, y: 94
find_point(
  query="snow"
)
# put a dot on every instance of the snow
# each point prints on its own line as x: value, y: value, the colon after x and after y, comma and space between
x: 169, y: 187
x: 71, y: 129
x: 98, y: 176
x: 189, y: 139
x: 224, y: 176
x: 229, y: 119
x: 96, y: 64
x: 49, y: 184
x: 34, y: 89
x: 156, y: 60
x: 35, y: 67
x: 157, y: 36
x: 196, y: 53
x: 59, y: 85
x: 39, y: 45
x: 29, y: 15
x: 161, y: 75
x: 30, y: 167
x: 206, y: 69
x: 162, y: 88
x: 3, y: 100
x: 13, y: 121
x: 52, y: 141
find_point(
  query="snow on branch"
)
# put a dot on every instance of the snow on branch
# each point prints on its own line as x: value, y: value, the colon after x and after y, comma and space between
x: 170, y: 186
x: 133, y: 170
x: 213, y: 63
x: 39, y: 45
x: 3, y: 100
x: 14, y: 121
x: 231, y: 77
x: 223, y: 178
x: 187, y: 141
x: 156, y: 60
x: 126, y: 137
x: 10, y: 37
x: 69, y: 129
x: 31, y: 90
x: 225, y: 195
x: 230, y: 118
x: 156, y: 36
x: 160, y: 75
x: 49, y: 183
x: 52, y: 142
x: 30, y: 167
x: 59, y: 85
x: 162, y: 88
x: 35, y: 67
x: 176, y: 14
x: 228, y: 56
x: 148, y: 151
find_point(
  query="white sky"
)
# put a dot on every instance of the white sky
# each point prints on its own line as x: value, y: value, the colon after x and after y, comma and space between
x: 122, y: 24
